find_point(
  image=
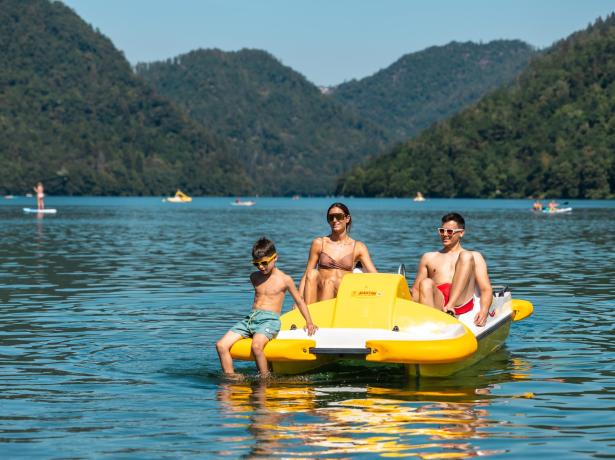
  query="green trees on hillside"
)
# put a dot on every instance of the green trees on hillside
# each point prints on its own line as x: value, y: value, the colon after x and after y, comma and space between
x: 74, y: 114
x: 289, y: 136
x: 550, y: 134
x: 427, y: 86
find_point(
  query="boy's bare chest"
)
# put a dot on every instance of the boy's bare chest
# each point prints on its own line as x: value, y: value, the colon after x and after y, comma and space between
x: 270, y: 287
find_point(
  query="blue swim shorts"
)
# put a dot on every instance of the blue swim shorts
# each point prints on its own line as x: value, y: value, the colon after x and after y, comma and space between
x: 259, y: 322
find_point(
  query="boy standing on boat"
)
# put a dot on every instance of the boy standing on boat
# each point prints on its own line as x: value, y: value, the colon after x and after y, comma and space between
x: 263, y: 323
x: 448, y: 279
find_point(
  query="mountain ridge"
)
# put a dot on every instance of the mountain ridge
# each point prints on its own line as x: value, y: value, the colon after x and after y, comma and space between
x: 75, y: 114
x: 423, y: 87
x: 548, y: 134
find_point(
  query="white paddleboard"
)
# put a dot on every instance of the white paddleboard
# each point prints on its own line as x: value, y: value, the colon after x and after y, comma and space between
x: 557, y: 211
x: 40, y: 211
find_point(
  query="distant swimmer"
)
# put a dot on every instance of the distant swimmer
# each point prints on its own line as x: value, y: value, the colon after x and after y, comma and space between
x: 537, y: 206
x: 40, y: 194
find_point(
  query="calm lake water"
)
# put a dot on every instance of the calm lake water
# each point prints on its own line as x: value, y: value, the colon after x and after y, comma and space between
x: 111, y: 308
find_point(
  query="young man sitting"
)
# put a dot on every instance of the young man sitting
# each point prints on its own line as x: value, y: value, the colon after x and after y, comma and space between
x: 448, y: 279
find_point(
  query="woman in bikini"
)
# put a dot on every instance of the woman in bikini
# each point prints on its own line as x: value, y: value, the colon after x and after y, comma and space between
x: 333, y: 256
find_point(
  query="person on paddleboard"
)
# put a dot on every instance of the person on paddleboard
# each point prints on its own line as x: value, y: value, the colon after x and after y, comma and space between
x: 263, y: 323
x: 40, y: 195
x: 333, y: 256
x: 448, y: 279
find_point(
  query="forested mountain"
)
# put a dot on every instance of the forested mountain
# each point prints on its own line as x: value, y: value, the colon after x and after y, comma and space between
x: 290, y: 137
x: 427, y: 86
x: 552, y: 133
x: 73, y: 114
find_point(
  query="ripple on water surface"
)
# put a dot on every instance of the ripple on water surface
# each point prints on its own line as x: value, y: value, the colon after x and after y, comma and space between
x: 110, y: 310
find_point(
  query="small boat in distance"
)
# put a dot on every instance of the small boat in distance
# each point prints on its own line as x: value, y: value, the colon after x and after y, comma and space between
x: 239, y: 202
x: 419, y: 197
x: 551, y: 208
x: 180, y: 197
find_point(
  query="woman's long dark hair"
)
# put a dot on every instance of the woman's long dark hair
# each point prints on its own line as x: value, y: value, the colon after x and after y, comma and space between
x: 344, y: 208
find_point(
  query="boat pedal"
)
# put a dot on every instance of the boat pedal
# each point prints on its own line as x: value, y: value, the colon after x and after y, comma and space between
x: 293, y: 327
x: 395, y: 328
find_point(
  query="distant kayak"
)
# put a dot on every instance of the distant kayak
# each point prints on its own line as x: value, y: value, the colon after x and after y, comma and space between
x: 40, y: 211
x: 243, y: 203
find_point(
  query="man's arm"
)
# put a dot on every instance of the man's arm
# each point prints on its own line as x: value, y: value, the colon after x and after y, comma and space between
x: 310, y: 326
x: 484, y: 286
x: 421, y: 274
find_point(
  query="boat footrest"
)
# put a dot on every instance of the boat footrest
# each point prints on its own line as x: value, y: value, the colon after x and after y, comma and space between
x: 340, y: 351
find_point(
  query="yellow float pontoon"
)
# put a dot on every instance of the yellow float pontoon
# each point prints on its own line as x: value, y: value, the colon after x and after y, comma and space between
x: 374, y: 320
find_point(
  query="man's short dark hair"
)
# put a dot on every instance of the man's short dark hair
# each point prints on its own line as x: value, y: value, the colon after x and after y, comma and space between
x: 455, y: 217
x: 262, y: 248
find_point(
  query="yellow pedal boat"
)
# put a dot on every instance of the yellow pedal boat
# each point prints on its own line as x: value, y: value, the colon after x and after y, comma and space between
x: 374, y: 320
x: 180, y: 197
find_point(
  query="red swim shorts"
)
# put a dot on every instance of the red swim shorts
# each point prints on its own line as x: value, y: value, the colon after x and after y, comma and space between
x: 445, y: 289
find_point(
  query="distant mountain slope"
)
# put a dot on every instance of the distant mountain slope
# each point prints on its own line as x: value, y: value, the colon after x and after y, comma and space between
x: 291, y: 138
x: 71, y: 108
x: 552, y: 133
x: 427, y: 86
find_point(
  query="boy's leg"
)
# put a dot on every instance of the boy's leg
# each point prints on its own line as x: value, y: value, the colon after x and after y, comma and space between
x: 223, y: 347
x: 258, y: 344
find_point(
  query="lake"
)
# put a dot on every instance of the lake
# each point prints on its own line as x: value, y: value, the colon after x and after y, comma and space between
x: 111, y: 308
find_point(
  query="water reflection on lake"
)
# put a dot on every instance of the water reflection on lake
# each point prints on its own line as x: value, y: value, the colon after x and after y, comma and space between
x: 111, y: 307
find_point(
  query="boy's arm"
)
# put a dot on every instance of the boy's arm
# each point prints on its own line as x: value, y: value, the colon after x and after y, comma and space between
x: 484, y: 286
x: 305, y: 311
x: 421, y: 274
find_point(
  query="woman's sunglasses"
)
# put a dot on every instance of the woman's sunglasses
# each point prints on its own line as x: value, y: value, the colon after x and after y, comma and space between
x: 264, y: 262
x: 449, y: 231
x: 339, y: 216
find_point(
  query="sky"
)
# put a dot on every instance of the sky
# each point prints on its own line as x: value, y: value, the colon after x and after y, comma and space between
x: 329, y: 41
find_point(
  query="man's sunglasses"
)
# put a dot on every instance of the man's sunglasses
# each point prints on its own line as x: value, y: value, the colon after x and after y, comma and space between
x: 264, y: 262
x: 339, y: 216
x: 449, y: 231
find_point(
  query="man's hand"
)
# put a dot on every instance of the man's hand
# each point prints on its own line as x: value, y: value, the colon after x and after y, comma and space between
x: 481, y: 317
x: 448, y: 308
x: 311, y: 328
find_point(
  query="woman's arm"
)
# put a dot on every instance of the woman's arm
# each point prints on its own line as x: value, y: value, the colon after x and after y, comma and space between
x: 365, y: 259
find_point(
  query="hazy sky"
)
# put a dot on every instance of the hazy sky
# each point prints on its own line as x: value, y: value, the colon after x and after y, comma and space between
x: 329, y: 41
